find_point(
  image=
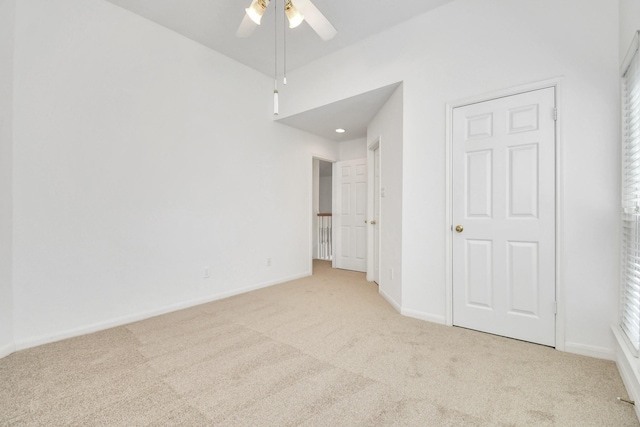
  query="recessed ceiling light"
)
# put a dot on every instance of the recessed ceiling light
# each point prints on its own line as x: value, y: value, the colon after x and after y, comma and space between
x: 340, y: 130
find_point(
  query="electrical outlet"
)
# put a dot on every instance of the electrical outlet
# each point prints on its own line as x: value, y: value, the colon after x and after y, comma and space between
x: 268, y: 262
x: 207, y: 273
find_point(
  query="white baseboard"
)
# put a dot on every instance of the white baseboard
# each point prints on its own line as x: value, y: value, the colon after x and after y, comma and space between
x: 590, y: 350
x: 412, y: 313
x: 7, y: 349
x: 628, y: 367
x: 390, y: 300
x: 123, y: 320
x: 434, y: 318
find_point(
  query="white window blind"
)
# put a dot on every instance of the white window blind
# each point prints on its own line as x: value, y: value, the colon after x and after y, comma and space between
x: 630, y: 286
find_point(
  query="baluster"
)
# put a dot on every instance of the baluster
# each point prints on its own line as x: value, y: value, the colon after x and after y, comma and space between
x: 325, y: 250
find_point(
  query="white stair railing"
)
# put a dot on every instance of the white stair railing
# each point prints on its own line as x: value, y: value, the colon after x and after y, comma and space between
x: 325, y: 250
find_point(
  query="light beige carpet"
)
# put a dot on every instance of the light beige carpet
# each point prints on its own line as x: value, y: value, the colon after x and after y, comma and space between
x: 321, y: 351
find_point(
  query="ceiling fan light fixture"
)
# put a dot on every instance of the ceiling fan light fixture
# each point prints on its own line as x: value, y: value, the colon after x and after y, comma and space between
x: 293, y: 14
x: 256, y: 10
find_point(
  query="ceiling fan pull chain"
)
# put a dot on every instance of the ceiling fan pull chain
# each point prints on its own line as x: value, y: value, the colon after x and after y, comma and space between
x: 284, y: 53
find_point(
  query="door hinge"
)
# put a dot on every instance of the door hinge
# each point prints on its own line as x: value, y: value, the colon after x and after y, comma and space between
x: 555, y: 307
x: 555, y: 114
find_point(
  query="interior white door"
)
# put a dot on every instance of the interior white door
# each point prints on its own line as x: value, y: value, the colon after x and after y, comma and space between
x: 350, y: 215
x: 504, y: 216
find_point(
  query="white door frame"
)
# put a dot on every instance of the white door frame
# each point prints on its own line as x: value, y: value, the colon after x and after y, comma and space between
x: 559, y: 186
x: 376, y: 144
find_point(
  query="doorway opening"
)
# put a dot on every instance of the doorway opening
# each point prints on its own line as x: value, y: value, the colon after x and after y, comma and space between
x: 374, y: 193
x: 322, y: 210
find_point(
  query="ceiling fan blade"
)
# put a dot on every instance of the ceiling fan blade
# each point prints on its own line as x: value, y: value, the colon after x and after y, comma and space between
x: 316, y: 19
x: 246, y: 27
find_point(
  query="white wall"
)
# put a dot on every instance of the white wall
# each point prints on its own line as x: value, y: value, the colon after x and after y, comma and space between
x: 353, y: 149
x: 386, y: 127
x: 140, y: 158
x: 325, y: 196
x: 7, y: 10
x: 629, y: 24
x: 468, y: 48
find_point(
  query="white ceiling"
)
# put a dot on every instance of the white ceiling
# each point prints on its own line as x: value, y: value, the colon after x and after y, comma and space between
x: 352, y: 114
x: 213, y: 23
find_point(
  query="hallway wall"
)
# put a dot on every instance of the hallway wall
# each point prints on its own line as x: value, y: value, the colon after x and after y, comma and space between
x: 7, y: 20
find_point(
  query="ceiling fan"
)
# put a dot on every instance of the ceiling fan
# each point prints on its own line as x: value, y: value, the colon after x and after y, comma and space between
x: 302, y: 10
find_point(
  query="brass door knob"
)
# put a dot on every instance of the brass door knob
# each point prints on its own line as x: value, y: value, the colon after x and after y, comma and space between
x: 459, y: 228
x: 373, y: 222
